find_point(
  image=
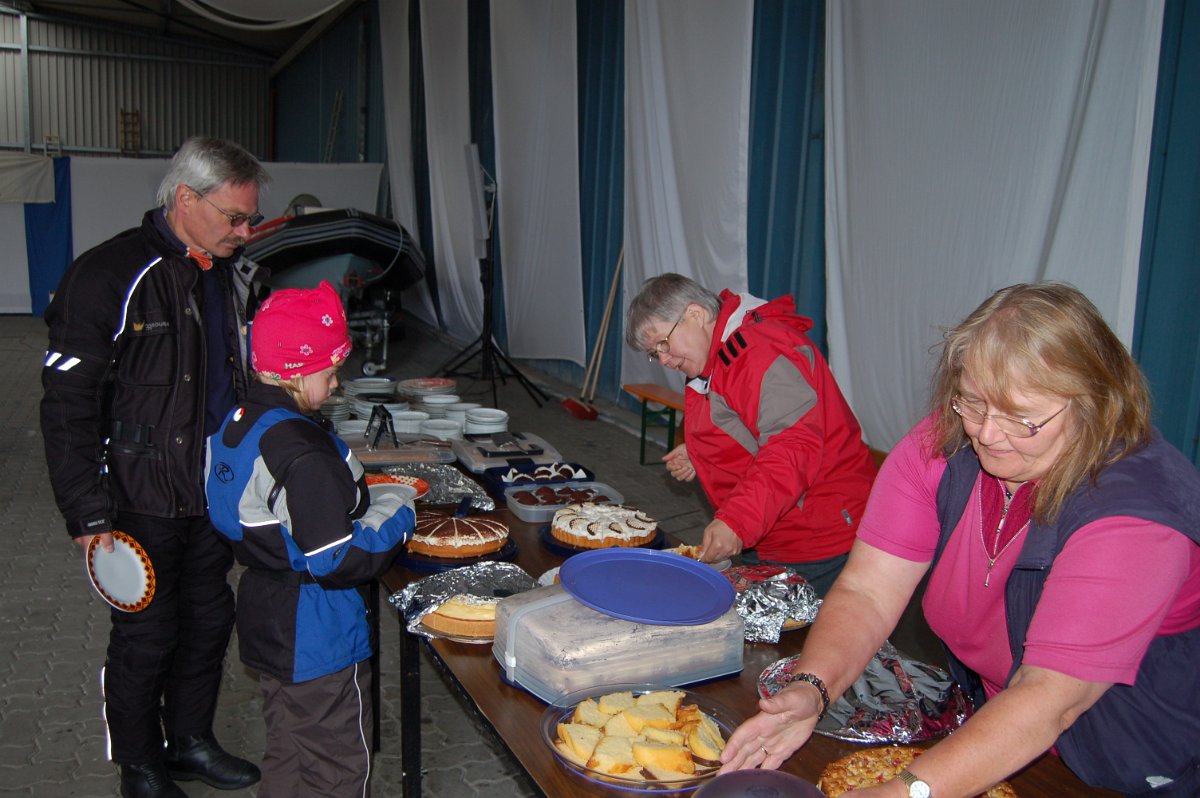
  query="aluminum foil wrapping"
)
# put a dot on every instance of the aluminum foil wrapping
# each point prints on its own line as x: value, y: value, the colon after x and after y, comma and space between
x: 770, y: 596
x: 485, y: 580
x: 896, y: 700
x: 447, y: 485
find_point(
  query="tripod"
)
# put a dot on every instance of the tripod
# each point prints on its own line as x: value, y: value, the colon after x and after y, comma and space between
x: 492, y: 362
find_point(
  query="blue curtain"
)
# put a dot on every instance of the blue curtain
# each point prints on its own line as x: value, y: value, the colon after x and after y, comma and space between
x: 786, y: 213
x: 1166, y: 337
x: 48, y: 243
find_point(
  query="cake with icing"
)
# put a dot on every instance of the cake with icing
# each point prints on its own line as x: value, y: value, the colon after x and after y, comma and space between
x: 589, y: 525
x: 439, y: 534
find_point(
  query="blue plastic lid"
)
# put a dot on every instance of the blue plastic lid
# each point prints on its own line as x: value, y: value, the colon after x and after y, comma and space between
x: 647, y: 586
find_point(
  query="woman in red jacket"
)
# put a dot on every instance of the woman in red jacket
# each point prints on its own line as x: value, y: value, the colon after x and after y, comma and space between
x: 777, y: 449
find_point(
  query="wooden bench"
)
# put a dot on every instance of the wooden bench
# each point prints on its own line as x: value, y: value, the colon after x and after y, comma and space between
x: 671, y: 401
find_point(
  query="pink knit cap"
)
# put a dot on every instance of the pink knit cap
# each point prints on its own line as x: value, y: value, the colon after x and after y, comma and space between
x: 299, y: 331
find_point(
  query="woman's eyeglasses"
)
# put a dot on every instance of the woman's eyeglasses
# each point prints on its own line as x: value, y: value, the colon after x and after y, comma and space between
x: 1009, y: 425
x: 664, y: 346
x: 235, y: 219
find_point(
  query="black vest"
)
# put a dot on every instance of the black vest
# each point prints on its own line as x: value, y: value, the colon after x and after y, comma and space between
x: 1135, y: 737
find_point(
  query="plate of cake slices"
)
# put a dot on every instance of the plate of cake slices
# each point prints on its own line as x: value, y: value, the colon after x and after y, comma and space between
x: 442, y: 540
x: 648, y: 738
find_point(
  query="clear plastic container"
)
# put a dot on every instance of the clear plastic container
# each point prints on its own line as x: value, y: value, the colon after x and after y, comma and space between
x: 551, y: 645
x: 540, y: 513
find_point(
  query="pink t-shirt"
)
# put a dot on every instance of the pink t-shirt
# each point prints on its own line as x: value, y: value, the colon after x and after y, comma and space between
x: 1118, y: 583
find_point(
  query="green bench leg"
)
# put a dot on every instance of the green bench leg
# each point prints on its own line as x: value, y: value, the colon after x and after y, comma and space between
x: 647, y: 414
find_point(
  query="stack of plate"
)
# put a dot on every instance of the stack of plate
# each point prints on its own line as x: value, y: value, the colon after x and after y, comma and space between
x: 485, y: 421
x: 382, y: 386
x: 442, y: 428
x: 458, y: 411
x: 414, y: 389
x: 435, y: 403
x: 336, y: 409
x: 363, y: 405
x: 408, y: 421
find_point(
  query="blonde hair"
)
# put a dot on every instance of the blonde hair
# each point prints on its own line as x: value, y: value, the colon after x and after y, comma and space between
x: 293, y: 386
x: 1049, y: 338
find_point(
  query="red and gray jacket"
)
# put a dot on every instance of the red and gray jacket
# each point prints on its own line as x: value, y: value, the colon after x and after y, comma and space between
x: 123, y: 411
x: 773, y: 441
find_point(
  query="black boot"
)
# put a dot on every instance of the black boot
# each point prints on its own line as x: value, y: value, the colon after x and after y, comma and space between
x: 199, y: 757
x: 148, y: 781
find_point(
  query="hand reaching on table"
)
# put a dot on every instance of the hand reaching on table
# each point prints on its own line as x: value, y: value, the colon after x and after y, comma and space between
x: 679, y: 465
x: 784, y: 723
x: 720, y: 542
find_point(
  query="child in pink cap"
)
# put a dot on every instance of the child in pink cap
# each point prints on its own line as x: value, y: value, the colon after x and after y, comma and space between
x: 293, y: 500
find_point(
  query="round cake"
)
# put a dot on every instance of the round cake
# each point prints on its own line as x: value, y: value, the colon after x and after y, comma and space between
x: 587, y: 525
x: 464, y: 616
x: 444, y: 535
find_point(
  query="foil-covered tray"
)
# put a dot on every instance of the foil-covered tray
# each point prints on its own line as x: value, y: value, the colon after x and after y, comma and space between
x: 485, y: 581
x: 447, y: 484
x: 896, y: 700
x: 772, y: 599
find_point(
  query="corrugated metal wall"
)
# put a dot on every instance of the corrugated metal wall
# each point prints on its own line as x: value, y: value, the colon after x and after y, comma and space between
x: 72, y: 82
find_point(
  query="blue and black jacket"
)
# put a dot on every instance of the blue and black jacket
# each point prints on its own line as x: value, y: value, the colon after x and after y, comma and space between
x: 293, y: 501
x: 1139, y: 739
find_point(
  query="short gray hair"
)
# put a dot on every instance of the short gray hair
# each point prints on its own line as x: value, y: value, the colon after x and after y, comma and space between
x: 664, y: 298
x: 205, y: 164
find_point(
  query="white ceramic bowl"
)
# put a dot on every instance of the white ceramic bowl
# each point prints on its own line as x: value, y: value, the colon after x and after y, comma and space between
x: 350, y: 427
x: 472, y: 428
x: 409, y: 421
x: 442, y: 428
x: 487, y: 415
x: 441, y: 399
x: 458, y: 410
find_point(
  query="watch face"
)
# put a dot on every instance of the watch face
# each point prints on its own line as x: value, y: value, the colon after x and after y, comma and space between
x: 919, y: 789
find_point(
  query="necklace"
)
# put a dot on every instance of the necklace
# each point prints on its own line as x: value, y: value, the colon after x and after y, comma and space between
x: 997, y: 552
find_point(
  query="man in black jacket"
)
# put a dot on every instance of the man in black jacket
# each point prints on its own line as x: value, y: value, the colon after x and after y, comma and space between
x: 148, y: 343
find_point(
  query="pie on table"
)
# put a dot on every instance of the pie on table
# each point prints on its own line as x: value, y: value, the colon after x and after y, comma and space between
x: 870, y: 766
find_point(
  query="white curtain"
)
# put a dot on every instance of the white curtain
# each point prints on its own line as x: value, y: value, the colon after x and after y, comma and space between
x: 687, y: 101
x: 448, y: 131
x: 397, y: 112
x: 971, y: 145
x: 537, y: 174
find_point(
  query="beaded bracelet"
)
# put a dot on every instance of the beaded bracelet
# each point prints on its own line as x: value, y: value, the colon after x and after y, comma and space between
x: 816, y: 682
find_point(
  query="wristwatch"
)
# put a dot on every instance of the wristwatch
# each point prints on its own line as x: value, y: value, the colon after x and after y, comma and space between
x: 916, y: 787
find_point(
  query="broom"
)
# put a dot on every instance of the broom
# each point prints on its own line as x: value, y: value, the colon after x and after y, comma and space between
x: 582, y: 407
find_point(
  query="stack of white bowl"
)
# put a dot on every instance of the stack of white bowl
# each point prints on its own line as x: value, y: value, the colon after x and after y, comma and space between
x: 442, y: 428
x: 435, y: 403
x: 485, y: 421
x: 408, y: 422
x: 351, y: 429
x: 336, y: 409
x: 458, y: 411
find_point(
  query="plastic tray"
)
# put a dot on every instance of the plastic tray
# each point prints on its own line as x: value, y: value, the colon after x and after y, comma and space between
x: 540, y: 513
x: 497, y: 479
x: 477, y: 453
x: 550, y: 644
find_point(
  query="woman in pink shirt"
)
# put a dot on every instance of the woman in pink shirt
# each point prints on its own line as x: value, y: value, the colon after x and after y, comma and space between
x: 1063, y: 535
